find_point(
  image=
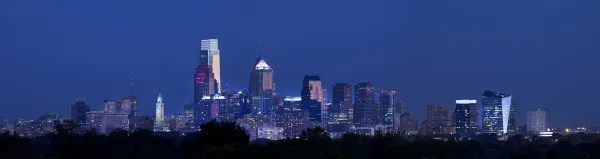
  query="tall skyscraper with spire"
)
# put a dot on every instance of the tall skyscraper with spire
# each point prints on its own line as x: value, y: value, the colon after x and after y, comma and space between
x: 261, y: 87
x: 210, y: 56
x: 159, y: 122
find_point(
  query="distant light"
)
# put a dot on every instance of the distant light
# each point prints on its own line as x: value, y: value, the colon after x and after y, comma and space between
x: 240, y: 92
x: 292, y: 99
x: 466, y: 101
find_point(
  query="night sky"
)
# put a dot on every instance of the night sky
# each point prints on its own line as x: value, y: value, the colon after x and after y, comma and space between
x: 544, y: 52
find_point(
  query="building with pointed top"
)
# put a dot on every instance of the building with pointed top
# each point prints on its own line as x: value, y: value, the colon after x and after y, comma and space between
x: 159, y: 121
x: 261, y: 87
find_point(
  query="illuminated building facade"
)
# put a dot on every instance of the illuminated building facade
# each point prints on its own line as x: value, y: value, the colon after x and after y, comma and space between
x: 159, y: 121
x: 313, y: 98
x: 270, y: 132
x: 438, y: 120
x: 496, y: 113
x: 387, y: 99
x: 210, y: 56
x: 365, y: 113
x: 536, y: 121
x: 262, y: 87
x: 465, y: 115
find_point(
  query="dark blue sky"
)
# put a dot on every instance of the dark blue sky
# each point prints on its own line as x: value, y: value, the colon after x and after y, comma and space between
x: 544, y: 52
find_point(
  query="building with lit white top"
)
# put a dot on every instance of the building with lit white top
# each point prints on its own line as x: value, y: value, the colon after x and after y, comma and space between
x: 536, y: 120
x: 159, y: 121
x: 261, y: 87
x: 210, y: 47
x: 465, y: 117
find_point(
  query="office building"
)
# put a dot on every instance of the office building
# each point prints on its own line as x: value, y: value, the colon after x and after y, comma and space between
x: 262, y: 87
x: 465, y: 116
x: 113, y: 121
x: 159, y: 121
x: 203, y: 82
x: 292, y: 103
x: 438, y: 120
x: 398, y: 111
x: 497, y: 113
x: 127, y: 106
x: 387, y: 99
x: 365, y: 113
x: 109, y: 106
x: 536, y: 121
x: 78, y: 112
x: 409, y: 123
x: 210, y: 56
x: 94, y: 120
x: 342, y: 100
x: 313, y: 99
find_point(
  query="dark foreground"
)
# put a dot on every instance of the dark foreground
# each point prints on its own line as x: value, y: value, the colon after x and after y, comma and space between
x: 227, y: 140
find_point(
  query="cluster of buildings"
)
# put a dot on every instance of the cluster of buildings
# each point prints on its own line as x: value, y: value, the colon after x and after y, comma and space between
x: 353, y: 107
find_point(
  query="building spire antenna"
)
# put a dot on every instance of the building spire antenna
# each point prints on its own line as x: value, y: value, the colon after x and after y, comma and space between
x: 131, y: 83
x: 259, y: 49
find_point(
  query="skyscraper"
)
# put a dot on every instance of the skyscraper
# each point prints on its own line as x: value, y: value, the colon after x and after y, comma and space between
x: 496, y: 112
x: 365, y: 114
x: 438, y: 120
x: 342, y: 98
x: 409, y: 123
x: 109, y: 106
x: 210, y: 51
x: 465, y: 116
x: 262, y: 87
x: 159, y: 122
x: 78, y: 112
x: 203, y: 82
x: 313, y: 98
x: 536, y: 120
x: 398, y: 111
x: 386, y: 114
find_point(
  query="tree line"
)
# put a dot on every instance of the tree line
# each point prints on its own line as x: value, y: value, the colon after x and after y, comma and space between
x: 221, y: 140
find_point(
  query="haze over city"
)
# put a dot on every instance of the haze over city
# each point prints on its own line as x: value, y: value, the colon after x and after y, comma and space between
x: 544, y: 53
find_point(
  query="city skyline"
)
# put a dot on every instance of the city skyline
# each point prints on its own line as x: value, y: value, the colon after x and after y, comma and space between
x: 428, y: 53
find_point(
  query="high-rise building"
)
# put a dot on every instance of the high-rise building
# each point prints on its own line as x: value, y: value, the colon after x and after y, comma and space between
x: 78, y: 112
x: 398, y: 111
x: 210, y: 56
x: 536, y: 120
x: 313, y: 99
x: 342, y: 99
x: 465, y: 117
x: 365, y: 114
x: 386, y: 114
x: 438, y: 120
x: 126, y: 105
x: 109, y: 106
x: 202, y: 111
x: 188, y: 115
x: 94, y: 120
x: 159, y: 121
x: 238, y: 102
x: 409, y: 123
x: 496, y: 113
x: 113, y: 121
x: 262, y: 87
x: 203, y: 82
x: 142, y: 123
x: 292, y: 103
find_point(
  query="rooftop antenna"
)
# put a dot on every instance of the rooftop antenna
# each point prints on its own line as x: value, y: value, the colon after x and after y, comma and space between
x: 131, y: 83
x: 259, y: 49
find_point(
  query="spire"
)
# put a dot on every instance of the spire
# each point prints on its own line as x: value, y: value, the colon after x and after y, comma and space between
x: 131, y: 83
x: 259, y: 49
x: 159, y: 99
